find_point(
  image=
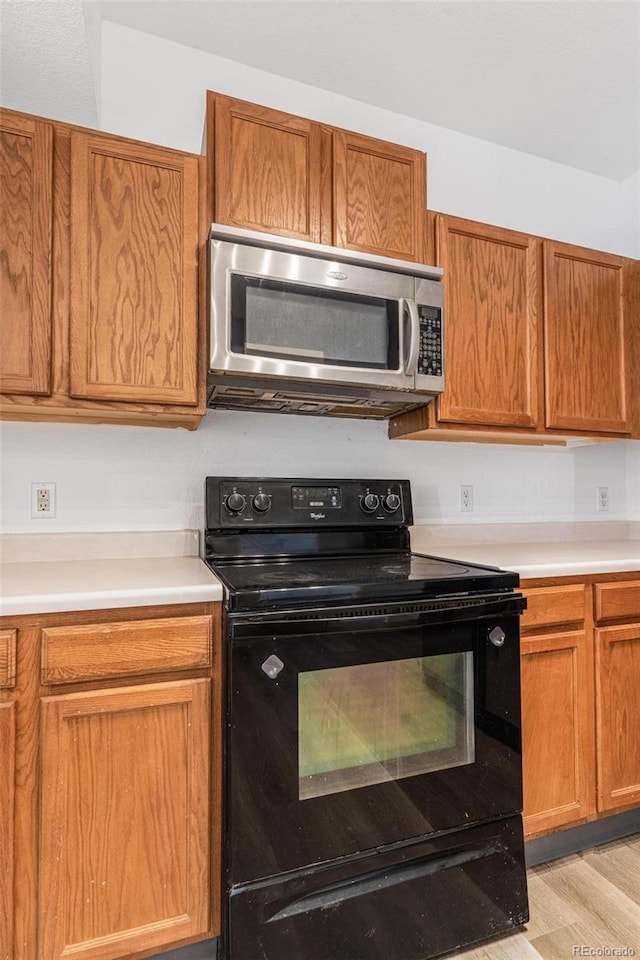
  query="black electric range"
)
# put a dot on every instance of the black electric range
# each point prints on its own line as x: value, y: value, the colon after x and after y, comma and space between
x: 373, y: 788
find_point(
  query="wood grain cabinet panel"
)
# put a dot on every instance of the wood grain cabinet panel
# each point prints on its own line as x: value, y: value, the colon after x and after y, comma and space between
x: 617, y: 601
x: 134, y: 245
x: 266, y: 169
x: 379, y: 196
x: 551, y: 606
x: 618, y: 716
x: 557, y: 731
x: 76, y: 653
x: 7, y: 793
x: 492, y: 311
x: 26, y: 184
x: 586, y: 340
x: 125, y: 839
x: 8, y: 657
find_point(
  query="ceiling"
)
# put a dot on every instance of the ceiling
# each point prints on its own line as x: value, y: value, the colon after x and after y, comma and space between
x: 558, y: 79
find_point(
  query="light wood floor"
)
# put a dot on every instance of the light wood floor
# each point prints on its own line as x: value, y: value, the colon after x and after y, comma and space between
x: 589, y: 900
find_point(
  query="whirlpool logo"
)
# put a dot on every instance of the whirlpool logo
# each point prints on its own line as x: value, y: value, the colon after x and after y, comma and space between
x: 317, y: 516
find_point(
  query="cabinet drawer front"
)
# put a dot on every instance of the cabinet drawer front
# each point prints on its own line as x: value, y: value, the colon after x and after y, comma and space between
x: 552, y: 605
x: 90, y: 652
x: 618, y: 601
x: 7, y: 658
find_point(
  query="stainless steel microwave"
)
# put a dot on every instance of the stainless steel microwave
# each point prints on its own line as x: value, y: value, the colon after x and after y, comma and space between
x: 299, y: 327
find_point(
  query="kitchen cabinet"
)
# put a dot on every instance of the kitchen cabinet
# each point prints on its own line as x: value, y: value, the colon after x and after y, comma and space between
x: 26, y: 205
x: 540, y: 340
x: 557, y: 709
x: 586, y: 333
x: 379, y: 196
x: 265, y: 168
x: 287, y: 175
x: 126, y: 336
x: 493, y: 300
x: 7, y: 788
x: 580, y: 715
x: 116, y: 807
x: 617, y: 702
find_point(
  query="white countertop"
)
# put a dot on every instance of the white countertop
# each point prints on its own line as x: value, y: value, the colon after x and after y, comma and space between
x: 534, y: 559
x: 59, y: 583
x: 108, y: 570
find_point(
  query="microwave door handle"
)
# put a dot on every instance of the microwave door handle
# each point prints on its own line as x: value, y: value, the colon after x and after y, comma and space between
x: 411, y: 362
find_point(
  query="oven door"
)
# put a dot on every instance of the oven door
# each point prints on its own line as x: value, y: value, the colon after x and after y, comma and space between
x: 294, y: 317
x: 364, y: 729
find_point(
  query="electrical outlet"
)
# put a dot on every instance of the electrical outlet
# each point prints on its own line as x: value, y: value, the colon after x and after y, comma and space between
x: 43, y: 500
x: 603, y: 498
x: 466, y: 498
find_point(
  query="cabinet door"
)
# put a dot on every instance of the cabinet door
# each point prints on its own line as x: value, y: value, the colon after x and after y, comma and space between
x: 586, y: 340
x: 7, y: 767
x: 124, y: 863
x: 557, y: 731
x: 26, y: 171
x: 492, y: 309
x: 618, y: 716
x: 267, y: 169
x: 379, y: 196
x: 134, y: 246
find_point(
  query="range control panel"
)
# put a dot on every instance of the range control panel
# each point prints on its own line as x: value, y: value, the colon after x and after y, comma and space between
x: 430, y: 358
x: 234, y: 502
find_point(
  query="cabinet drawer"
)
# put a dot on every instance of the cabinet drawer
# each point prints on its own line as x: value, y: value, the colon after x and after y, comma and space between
x: 618, y: 601
x: 90, y: 652
x: 547, y: 606
x: 7, y: 658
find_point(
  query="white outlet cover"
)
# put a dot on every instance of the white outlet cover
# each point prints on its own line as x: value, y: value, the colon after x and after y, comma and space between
x: 36, y: 488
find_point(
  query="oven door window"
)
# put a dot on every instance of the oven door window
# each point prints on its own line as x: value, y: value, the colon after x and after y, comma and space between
x: 374, y: 722
x: 313, y: 325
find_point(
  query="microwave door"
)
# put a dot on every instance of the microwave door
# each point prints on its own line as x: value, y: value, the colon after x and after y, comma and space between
x: 291, y: 317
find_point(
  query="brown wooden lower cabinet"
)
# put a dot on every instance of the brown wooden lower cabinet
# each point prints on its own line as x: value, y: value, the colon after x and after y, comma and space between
x: 580, y: 705
x: 114, y: 810
x: 557, y: 730
x: 7, y: 789
x: 618, y: 714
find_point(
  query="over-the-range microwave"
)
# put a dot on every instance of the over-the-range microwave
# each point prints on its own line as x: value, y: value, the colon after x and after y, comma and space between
x: 300, y: 327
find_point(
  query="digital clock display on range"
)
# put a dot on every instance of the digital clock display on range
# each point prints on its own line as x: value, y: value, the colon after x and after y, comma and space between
x: 309, y: 498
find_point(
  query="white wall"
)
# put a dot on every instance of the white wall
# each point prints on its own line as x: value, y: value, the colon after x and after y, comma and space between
x: 154, y: 90
x: 144, y: 478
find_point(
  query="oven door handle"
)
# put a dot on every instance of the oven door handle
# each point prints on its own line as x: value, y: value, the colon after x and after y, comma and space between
x: 371, y: 618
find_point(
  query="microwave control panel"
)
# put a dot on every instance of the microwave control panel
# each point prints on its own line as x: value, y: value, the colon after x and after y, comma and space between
x: 430, y: 347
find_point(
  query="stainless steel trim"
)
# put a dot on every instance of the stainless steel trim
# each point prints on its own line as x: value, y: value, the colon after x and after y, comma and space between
x: 411, y: 363
x: 269, y: 241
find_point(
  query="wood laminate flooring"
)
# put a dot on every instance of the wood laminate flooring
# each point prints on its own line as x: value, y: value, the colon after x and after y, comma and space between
x: 587, y: 905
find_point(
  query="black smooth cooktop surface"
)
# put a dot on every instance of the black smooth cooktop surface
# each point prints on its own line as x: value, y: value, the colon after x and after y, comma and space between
x: 267, y: 584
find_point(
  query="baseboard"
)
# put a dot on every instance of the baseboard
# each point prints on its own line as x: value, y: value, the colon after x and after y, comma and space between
x: 565, y: 842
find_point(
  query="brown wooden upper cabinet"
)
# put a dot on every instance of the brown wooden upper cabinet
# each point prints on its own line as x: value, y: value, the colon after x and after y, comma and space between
x: 586, y: 340
x: 134, y: 246
x: 539, y: 339
x: 102, y: 245
x: 379, y: 196
x: 492, y: 306
x: 26, y: 171
x: 287, y: 175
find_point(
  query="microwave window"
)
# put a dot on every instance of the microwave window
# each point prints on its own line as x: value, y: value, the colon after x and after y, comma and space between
x: 312, y: 325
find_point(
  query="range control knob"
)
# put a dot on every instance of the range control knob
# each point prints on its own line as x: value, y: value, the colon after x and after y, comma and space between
x: 261, y: 502
x: 391, y: 502
x: 370, y: 502
x: 235, y: 503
